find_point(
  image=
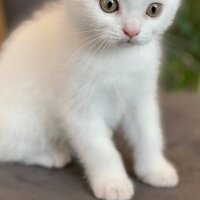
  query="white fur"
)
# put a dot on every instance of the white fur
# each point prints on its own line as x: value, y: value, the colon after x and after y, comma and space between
x: 64, y: 78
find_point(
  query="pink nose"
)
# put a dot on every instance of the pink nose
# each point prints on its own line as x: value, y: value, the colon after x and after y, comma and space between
x: 131, y: 32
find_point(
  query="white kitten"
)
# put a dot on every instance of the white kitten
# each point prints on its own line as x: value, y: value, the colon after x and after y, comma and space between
x: 74, y: 73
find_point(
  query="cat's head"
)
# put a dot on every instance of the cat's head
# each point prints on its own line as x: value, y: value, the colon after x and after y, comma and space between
x: 123, y: 21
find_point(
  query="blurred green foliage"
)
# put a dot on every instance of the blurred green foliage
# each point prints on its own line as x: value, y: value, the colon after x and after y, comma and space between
x: 182, y: 43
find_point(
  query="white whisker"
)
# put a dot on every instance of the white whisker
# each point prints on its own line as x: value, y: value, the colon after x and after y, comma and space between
x: 95, y: 38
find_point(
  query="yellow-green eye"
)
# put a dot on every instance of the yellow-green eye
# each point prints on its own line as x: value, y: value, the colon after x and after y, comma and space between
x: 154, y: 10
x: 109, y: 6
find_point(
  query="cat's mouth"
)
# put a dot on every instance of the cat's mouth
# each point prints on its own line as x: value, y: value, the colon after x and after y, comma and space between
x: 126, y: 43
x: 131, y: 42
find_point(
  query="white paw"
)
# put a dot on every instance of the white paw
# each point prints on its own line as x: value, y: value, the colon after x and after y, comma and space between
x: 113, y: 189
x: 50, y: 160
x: 163, y: 175
x: 61, y: 159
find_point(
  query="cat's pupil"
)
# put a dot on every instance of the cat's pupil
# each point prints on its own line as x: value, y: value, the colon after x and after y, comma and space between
x: 110, y: 4
x: 154, y: 9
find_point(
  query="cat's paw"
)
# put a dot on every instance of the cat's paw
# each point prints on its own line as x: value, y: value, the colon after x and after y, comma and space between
x: 50, y: 160
x: 61, y: 159
x: 163, y: 175
x: 113, y: 189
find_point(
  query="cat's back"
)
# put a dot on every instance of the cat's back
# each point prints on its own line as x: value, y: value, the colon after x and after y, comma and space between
x: 29, y: 55
x: 36, y: 39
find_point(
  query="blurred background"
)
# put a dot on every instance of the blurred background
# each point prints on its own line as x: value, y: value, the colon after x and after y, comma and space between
x: 181, y: 69
x: 182, y: 45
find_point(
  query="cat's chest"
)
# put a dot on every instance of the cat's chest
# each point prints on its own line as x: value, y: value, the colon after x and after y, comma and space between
x: 125, y: 77
x: 119, y: 90
x: 120, y: 75
x: 114, y: 94
x: 110, y: 85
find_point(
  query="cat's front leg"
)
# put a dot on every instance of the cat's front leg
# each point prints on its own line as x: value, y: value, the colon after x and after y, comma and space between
x: 142, y: 127
x: 91, y: 140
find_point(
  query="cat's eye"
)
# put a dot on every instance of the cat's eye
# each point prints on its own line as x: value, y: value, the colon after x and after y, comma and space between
x: 154, y: 10
x: 109, y: 6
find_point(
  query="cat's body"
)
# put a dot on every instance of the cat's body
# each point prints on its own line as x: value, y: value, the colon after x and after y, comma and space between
x: 59, y: 85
